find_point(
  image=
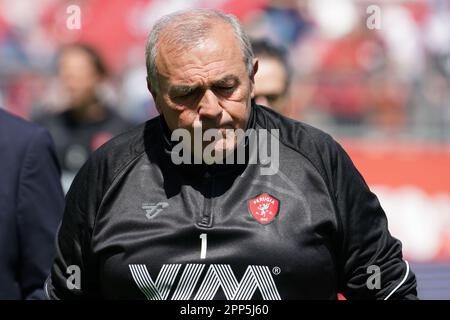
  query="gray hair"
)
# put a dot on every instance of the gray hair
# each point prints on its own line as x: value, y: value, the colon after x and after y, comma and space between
x: 191, y: 27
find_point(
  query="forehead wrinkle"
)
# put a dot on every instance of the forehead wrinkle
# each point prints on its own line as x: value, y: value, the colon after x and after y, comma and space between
x: 182, y: 35
x: 193, y: 72
x: 171, y: 53
x: 202, y: 64
x: 171, y: 40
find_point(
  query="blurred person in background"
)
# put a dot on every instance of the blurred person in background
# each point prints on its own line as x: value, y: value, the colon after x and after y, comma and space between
x: 282, y: 22
x: 31, y: 207
x: 88, y: 121
x: 273, y: 78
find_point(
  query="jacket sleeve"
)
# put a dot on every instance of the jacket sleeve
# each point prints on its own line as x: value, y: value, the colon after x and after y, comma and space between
x: 40, y: 207
x: 370, y: 259
x: 73, y: 274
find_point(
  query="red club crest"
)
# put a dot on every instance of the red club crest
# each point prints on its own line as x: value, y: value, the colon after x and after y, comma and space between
x: 264, y: 208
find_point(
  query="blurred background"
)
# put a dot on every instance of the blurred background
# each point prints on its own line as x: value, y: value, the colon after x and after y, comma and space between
x: 375, y: 74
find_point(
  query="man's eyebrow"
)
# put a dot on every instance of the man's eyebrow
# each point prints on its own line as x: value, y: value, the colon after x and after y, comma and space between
x: 227, y: 80
x: 181, y: 88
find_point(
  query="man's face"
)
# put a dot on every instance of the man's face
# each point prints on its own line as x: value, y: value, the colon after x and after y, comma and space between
x: 78, y: 76
x: 270, y: 84
x: 206, y: 85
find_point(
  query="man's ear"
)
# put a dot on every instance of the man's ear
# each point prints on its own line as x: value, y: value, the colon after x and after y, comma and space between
x: 252, y: 77
x: 151, y: 89
x: 153, y: 93
x: 255, y: 69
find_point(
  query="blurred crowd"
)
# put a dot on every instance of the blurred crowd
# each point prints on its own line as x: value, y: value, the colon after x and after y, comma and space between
x: 377, y: 69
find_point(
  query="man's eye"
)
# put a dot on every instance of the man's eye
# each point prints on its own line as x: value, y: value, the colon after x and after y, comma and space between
x: 227, y: 89
x: 184, y: 94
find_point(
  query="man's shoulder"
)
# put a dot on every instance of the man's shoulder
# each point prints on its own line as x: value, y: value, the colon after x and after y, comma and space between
x: 126, y: 146
x: 111, y: 159
x: 21, y: 140
x: 16, y: 133
x: 17, y: 128
x: 310, y: 143
x: 297, y: 135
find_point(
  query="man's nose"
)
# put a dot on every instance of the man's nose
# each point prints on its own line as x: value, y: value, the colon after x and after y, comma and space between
x: 209, y: 106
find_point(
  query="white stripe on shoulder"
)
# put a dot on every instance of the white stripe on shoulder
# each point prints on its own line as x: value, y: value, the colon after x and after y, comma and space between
x: 400, y: 284
x: 47, y: 294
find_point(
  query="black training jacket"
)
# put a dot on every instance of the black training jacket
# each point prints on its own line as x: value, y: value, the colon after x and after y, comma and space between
x: 137, y: 226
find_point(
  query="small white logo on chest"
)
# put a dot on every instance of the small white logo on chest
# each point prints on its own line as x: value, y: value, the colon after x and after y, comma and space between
x: 153, y: 209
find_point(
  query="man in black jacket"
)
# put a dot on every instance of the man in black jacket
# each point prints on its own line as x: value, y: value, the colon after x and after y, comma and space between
x: 31, y: 207
x: 150, y: 217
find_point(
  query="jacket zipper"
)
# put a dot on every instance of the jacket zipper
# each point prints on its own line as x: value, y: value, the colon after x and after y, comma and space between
x: 207, y: 213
